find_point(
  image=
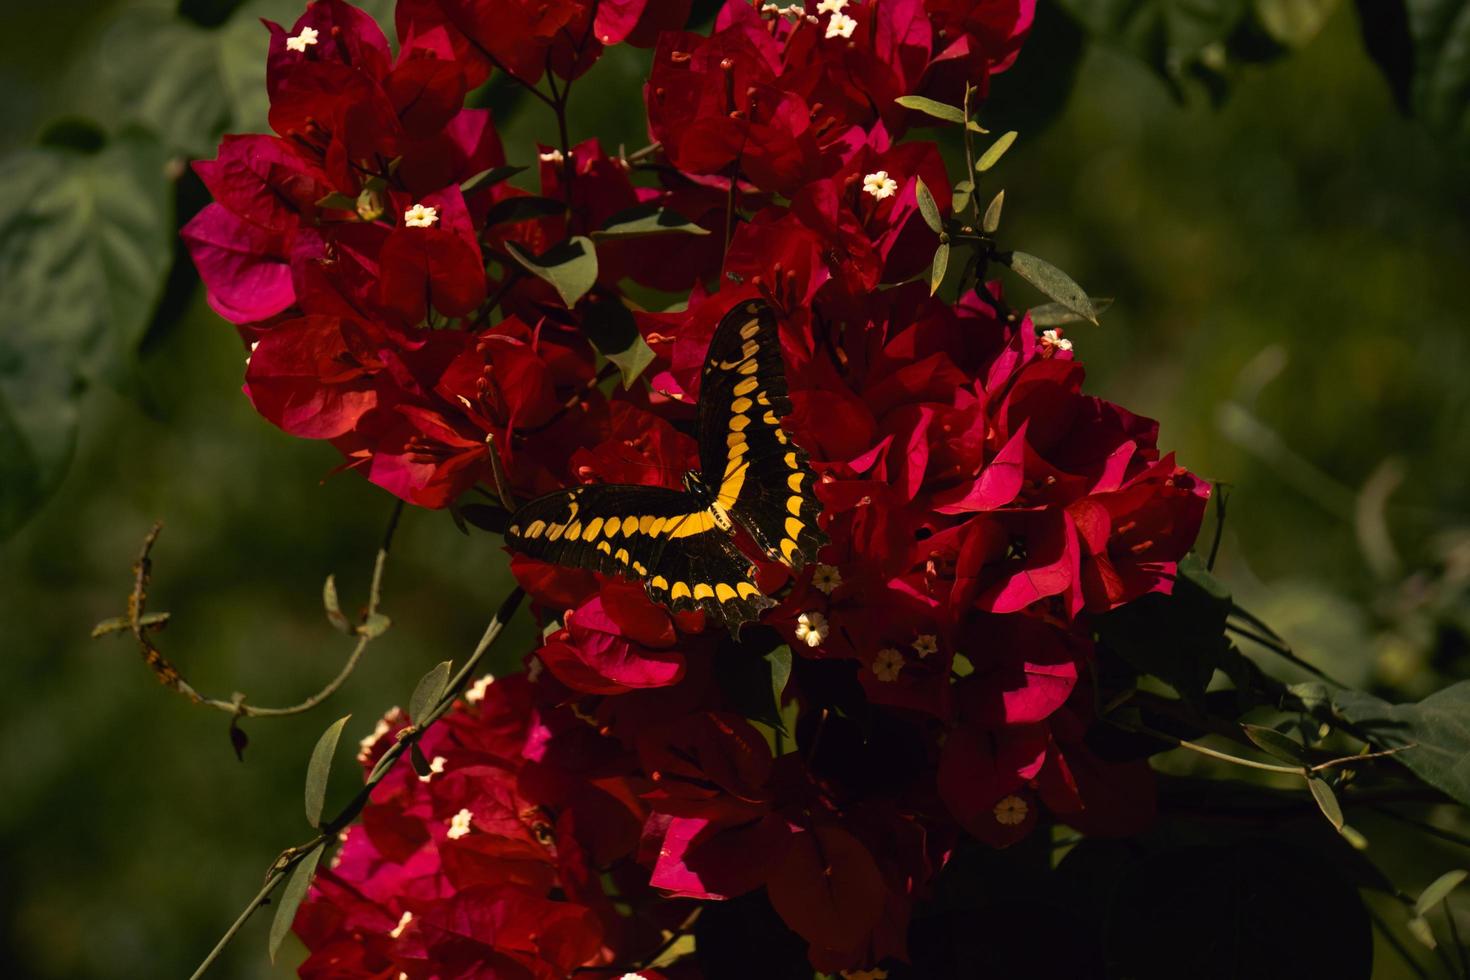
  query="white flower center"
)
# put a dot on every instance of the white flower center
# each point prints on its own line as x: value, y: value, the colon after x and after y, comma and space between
x: 420, y: 216
x: 302, y: 41
x: 1054, y: 338
x: 459, y: 824
x: 436, y: 766
x: 841, y: 25
x: 551, y: 156
x: 476, y: 692
x: 831, y: 6
x: 926, y: 644
x: 827, y: 578
x: 878, y: 183
x: 812, y: 628
x: 402, y: 925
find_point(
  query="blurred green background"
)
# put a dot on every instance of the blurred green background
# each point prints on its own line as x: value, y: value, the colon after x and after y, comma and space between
x: 1289, y: 276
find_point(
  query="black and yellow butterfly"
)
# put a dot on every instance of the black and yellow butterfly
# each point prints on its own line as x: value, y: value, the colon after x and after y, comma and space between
x: 681, y: 543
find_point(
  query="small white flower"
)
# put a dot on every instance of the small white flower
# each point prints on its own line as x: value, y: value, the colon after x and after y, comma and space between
x: 420, y: 216
x: 1054, y: 338
x: 302, y: 41
x: 926, y: 644
x: 827, y: 578
x: 252, y: 352
x: 812, y: 628
x: 459, y: 824
x: 402, y: 925
x: 551, y: 156
x: 831, y: 6
x: 436, y: 766
x: 841, y: 25
x: 879, y: 184
x: 632, y: 976
x: 887, y: 665
x: 1011, y: 810
x: 476, y: 692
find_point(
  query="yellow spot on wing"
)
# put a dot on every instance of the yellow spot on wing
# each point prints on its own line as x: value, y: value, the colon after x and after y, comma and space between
x: 589, y: 532
x: 604, y: 547
x: 740, y: 405
x: 793, y: 504
x: 739, y: 422
x: 791, y: 460
x: 746, y: 590
x: 535, y: 529
x: 749, y: 367
x: 794, y: 480
x: 645, y: 523
x: 679, y: 591
x: 750, y: 349
x: 731, y: 486
x: 639, y: 567
x: 761, y: 399
x: 554, y: 532
x: 788, y: 550
x: 703, y: 591
x: 659, y: 582
x: 793, y: 527
x: 630, y: 526
x: 723, y: 592
x: 622, y: 555
x: 770, y: 418
x: 658, y: 525
x: 692, y: 524
x: 612, y: 526
x: 746, y: 387
x: 750, y: 330
x: 574, y: 530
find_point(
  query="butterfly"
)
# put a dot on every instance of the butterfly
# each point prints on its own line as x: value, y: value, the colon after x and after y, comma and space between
x: 681, y: 543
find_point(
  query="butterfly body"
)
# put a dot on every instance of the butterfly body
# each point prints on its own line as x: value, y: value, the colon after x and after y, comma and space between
x: 681, y: 543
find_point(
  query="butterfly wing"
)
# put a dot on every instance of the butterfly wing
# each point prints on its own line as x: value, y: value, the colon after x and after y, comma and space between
x: 762, y: 478
x: 662, y: 537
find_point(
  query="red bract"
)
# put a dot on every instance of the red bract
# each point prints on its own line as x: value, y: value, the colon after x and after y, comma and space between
x: 403, y: 300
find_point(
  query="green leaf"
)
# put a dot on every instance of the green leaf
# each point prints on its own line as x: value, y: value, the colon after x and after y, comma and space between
x: 1437, y: 729
x: 570, y: 267
x: 85, y: 243
x: 333, y: 608
x: 1420, y: 930
x: 420, y: 764
x: 374, y: 626
x: 1178, y: 39
x: 991, y: 220
x: 938, y: 266
x: 939, y: 110
x: 1326, y: 800
x: 1438, y: 889
x: 1293, y: 22
x: 752, y: 686
x: 610, y: 326
x: 319, y: 768
x: 997, y: 150
x: 522, y: 208
x: 428, y: 692
x: 1433, y: 80
x: 647, y: 219
x: 1278, y: 744
x: 486, y: 179
x: 1055, y: 314
x: 1053, y: 282
x: 928, y: 207
x: 291, y: 898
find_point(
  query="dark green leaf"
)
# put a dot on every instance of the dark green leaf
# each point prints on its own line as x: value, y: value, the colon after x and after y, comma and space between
x: 1436, y: 77
x: 610, y: 326
x: 333, y: 608
x: 938, y: 266
x: 163, y: 73
x: 928, y: 207
x: 374, y: 626
x: 320, y: 768
x: 751, y: 685
x: 570, y: 267
x: 1436, y: 890
x: 522, y: 208
x: 291, y: 898
x: 1053, y: 282
x: 1437, y: 728
x: 1272, y: 742
x: 939, y: 110
x: 338, y: 201
x: 647, y: 219
x: 1055, y: 314
x: 992, y: 214
x: 486, y: 179
x: 996, y: 150
x: 960, y: 195
x: 1326, y: 800
x: 420, y: 764
x: 1419, y: 928
x: 780, y: 661
x: 85, y: 244
x: 428, y: 692
x: 1170, y: 36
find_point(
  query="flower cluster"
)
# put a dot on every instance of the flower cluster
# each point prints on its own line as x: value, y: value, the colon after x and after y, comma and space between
x: 402, y: 299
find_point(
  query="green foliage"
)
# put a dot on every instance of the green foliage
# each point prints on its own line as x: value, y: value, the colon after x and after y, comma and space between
x: 570, y: 266
x: 753, y: 686
x: 610, y: 327
x: 1053, y: 282
x: 319, y: 770
x: 85, y: 240
x: 646, y: 219
x: 429, y: 692
x: 291, y: 898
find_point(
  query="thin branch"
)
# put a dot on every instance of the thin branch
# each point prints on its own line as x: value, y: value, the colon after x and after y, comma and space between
x: 1221, y: 495
x: 140, y: 625
x: 1283, y: 651
x: 283, y: 865
x: 1424, y: 827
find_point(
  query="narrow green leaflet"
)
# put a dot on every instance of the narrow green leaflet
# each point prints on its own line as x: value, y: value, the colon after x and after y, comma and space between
x: 320, y: 768
x: 960, y: 195
x: 991, y: 222
x: 1326, y: 800
x: 1279, y: 744
x: 1055, y: 314
x: 1420, y: 930
x: 1053, y: 282
x: 647, y: 219
x: 570, y: 267
x: 333, y: 607
x: 85, y: 244
x: 929, y: 107
x: 997, y: 150
x: 291, y: 898
x: 1434, y: 733
x: 486, y: 179
x: 1438, y: 889
x: 428, y: 692
x: 928, y: 207
x: 938, y: 267
x: 610, y: 326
